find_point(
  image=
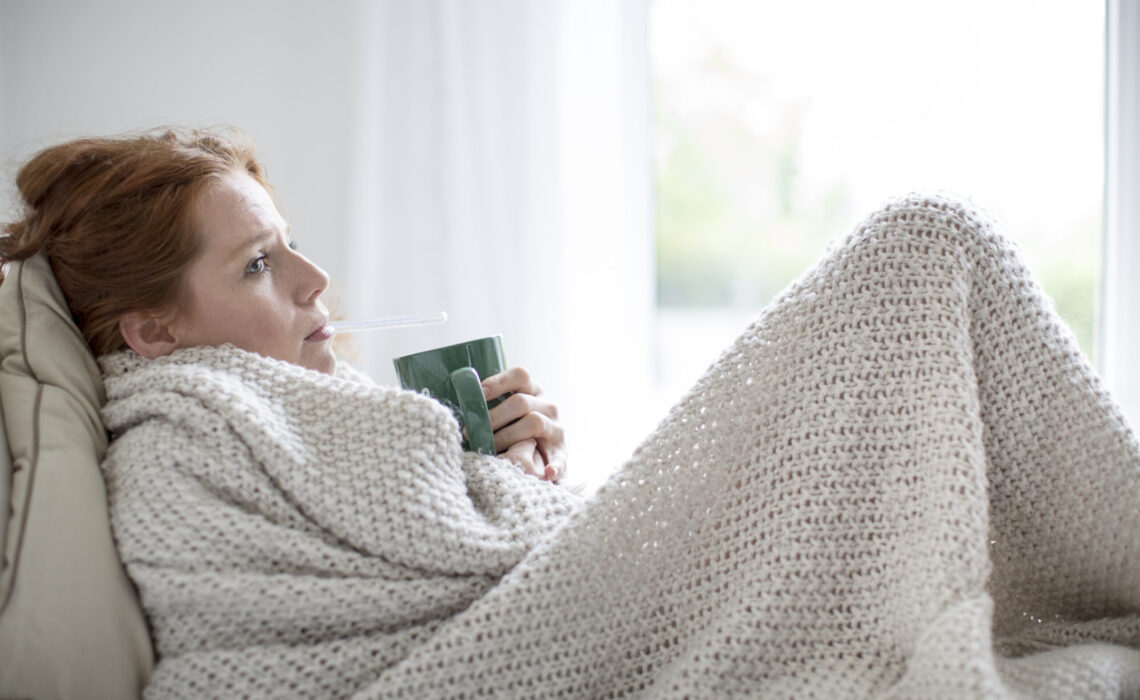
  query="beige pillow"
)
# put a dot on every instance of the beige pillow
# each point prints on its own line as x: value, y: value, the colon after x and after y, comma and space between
x: 70, y: 621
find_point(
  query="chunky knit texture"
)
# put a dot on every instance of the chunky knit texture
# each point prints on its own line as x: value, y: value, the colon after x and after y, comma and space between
x: 291, y: 533
x: 903, y: 480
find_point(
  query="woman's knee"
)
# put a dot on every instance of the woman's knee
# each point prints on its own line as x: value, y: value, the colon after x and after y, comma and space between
x: 952, y: 221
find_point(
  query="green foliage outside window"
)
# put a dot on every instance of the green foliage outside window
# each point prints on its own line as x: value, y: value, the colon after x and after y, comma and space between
x: 737, y: 221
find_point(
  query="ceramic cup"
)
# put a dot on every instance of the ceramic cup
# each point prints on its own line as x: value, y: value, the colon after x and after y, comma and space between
x: 452, y: 376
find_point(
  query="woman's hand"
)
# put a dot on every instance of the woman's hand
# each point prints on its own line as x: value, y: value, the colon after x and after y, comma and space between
x: 527, y: 430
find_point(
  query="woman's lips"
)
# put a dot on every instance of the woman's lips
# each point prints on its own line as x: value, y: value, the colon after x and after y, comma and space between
x: 324, y: 332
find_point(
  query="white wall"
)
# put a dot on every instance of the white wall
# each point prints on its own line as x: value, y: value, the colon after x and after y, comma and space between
x: 281, y: 71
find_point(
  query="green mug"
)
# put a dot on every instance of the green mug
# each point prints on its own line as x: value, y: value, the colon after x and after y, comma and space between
x: 452, y: 375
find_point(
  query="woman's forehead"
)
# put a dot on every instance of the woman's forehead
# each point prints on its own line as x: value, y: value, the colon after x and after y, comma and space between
x: 235, y: 210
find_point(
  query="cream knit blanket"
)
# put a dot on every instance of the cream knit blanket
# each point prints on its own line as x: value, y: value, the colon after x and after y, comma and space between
x: 903, y: 480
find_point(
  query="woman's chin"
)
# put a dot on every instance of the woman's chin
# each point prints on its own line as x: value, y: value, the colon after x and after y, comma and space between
x: 319, y: 357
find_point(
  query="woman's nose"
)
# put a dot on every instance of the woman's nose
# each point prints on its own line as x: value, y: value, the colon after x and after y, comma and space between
x: 315, y: 281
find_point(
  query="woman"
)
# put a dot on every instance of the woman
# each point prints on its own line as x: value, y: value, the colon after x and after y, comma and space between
x: 903, y: 479
x: 214, y: 208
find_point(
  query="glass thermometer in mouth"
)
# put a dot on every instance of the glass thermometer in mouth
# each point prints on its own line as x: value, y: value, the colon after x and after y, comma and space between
x: 385, y: 323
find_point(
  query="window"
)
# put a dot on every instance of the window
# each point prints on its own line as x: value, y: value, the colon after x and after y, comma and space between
x: 780, y: 125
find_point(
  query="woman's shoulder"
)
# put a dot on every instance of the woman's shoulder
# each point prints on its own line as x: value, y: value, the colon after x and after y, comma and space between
x: 253, y: 392
x: 349, y: 373
x: 192, y: 369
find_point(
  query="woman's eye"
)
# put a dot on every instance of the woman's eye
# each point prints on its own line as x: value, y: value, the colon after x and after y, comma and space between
x: 258, y: 265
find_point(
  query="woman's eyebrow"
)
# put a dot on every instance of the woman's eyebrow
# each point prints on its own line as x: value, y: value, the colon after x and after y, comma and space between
x: 255, y: 238
x: 251, y: 241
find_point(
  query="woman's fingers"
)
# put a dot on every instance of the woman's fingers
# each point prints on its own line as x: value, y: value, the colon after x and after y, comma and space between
x: 533, y: 425
x: 527, y: 430
x: 555, y: 470
x: 526, y: 454
x: 518, y: 405
x: 554, y: 453
x: 515, y: 379
x: 532, y: 460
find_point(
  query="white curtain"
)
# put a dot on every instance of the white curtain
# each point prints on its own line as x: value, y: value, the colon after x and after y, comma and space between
x: 503, y: 175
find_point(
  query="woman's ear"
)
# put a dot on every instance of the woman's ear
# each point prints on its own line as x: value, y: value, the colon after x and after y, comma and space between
x: 147, y: 334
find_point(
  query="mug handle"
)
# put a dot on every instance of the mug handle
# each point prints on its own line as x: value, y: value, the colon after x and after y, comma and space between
x: 473, y: 408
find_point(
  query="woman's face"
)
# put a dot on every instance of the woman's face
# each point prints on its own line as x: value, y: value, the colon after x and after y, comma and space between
x: 248, y: 287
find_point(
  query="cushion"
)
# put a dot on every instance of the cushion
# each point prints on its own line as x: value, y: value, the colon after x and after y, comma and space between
x: 70, y: 621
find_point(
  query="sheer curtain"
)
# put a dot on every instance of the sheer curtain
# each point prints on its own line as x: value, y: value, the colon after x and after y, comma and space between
x: 502, y: 174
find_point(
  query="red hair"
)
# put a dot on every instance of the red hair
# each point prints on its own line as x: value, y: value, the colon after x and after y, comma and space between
x: 116, y: 219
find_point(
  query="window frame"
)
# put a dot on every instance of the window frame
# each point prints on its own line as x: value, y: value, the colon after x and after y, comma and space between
x: 1119, y: 334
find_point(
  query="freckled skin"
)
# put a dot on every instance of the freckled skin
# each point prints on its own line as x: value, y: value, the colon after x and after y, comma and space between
x: 261, y: 296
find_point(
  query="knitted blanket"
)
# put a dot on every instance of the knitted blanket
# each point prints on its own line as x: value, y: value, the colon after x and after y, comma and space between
x: 902, y: 480
x: 291, y: 533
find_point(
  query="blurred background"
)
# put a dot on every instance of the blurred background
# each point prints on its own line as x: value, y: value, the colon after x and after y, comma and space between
x: 617, y: 186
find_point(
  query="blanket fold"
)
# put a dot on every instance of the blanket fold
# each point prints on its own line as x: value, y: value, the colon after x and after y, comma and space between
x: 903, y: 480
